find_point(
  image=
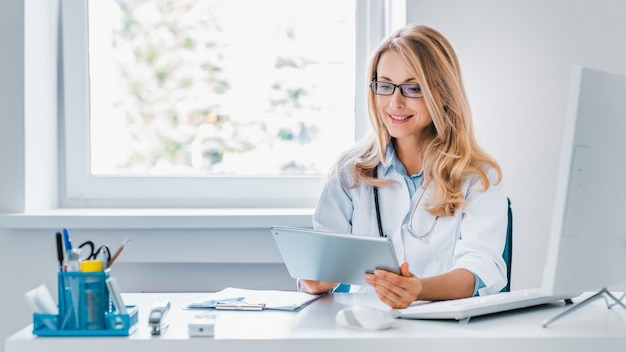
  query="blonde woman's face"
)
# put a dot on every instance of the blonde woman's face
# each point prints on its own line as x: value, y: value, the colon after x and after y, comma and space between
x: 404, y: 117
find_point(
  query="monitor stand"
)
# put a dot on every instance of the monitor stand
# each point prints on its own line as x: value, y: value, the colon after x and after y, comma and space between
x: 603, y: 293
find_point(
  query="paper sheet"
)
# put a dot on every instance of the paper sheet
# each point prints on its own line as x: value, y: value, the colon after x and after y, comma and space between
x: 273, y: 299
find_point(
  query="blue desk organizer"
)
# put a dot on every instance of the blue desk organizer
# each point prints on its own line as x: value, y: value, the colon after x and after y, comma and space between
x: 85, y: 309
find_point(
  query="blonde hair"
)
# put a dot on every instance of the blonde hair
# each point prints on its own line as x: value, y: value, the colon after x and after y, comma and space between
x: 451, y: 152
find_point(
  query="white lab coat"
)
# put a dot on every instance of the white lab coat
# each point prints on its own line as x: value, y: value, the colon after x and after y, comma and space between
x: 473, y: 238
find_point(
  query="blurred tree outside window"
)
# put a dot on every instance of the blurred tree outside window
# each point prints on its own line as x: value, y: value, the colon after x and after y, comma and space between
x: 231, y: 87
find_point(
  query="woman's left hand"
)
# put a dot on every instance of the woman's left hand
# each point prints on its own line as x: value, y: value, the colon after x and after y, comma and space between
x: 397, y: 291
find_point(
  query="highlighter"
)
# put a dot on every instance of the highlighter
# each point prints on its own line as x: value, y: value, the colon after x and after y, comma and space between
x: 95, y: 295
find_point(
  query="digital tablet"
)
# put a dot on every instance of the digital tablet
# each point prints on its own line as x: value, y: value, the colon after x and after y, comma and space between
x: 335, y: 257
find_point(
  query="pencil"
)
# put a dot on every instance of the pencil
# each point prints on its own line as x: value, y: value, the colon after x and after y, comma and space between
x: 118, y: 252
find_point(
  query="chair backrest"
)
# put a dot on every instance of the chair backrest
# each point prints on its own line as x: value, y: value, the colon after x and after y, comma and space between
x: 507, y: 254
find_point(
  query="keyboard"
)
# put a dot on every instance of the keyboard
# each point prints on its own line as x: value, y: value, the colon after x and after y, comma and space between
x: 465, y: 308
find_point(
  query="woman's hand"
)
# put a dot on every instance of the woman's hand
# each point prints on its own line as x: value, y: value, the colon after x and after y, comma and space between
x: 316, y: 287
x: 397, y: 291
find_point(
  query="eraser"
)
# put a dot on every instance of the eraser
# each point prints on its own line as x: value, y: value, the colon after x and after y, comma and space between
x: 202, y: 325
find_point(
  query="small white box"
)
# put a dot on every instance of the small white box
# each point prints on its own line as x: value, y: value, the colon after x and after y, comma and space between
x: 202, y: 325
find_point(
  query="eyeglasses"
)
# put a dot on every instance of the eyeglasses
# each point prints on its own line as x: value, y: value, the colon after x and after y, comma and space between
x: 386, y: 88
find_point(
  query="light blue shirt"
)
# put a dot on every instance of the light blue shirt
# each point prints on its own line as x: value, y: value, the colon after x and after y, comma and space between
x: 413, y: 182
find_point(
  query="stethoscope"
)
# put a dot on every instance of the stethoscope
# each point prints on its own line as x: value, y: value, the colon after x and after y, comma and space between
x: 408, y: 226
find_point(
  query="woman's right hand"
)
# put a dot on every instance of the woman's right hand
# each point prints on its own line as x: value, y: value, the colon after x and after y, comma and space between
x: 316, y: 287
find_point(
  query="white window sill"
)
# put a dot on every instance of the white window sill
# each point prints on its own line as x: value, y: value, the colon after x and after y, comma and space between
x: 157, y: 218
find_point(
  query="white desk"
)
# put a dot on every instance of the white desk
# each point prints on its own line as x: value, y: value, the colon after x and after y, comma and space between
x: 592, y: 328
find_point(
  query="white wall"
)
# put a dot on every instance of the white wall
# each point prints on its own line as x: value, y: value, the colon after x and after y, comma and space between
x: 28, y: 143
x: 11, y: 151
x: 516, y: 59
x: 11, y: 105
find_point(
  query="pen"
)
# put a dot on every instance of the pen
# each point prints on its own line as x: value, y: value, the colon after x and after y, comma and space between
x: 67, y: 241
x: 73, y: 259
x: 240, y: 306
x: 60, y: 250
x: 212, y: 303
x: 215, y: 302
x: 73, y: 265
x: 118, y: 252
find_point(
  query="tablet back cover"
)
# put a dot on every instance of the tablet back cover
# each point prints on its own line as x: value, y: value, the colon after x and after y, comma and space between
x: 334, y: 257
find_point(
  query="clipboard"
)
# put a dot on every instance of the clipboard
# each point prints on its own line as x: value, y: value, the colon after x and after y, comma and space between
x: 255, y: 300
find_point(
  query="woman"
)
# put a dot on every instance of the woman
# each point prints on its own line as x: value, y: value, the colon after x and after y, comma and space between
x: 439, y: 194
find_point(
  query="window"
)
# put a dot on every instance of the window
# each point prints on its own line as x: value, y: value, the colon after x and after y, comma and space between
x: 211, y: 103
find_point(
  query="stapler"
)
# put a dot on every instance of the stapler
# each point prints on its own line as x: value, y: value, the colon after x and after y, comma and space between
x: 157, y: 317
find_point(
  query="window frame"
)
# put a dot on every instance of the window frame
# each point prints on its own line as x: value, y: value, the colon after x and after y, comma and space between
x: 78, y: 188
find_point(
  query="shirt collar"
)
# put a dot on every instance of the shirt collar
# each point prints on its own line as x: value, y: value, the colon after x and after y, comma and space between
x: 394, y: 163
x: 390, y: 155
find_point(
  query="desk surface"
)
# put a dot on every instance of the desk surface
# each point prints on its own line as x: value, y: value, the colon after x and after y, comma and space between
x: 593, y: 327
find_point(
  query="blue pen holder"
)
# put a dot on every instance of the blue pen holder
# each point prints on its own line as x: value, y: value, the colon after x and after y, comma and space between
x: 85, y: 309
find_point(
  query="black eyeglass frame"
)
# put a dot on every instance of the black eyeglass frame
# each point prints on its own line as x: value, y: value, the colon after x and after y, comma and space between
x: 401, y: 86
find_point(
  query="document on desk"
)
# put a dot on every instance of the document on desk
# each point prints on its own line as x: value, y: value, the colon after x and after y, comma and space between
x: 245, y: 299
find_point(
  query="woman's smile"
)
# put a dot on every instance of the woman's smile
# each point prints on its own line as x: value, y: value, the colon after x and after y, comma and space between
x: 399, y: 118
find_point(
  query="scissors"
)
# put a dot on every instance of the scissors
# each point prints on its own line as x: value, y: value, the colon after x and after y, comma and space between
x: 101, y: 252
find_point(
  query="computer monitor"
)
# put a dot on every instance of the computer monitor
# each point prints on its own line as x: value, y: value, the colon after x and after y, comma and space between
x: 587, y: 247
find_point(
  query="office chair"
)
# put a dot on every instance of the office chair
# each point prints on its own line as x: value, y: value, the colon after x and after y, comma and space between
x: 507, y: 254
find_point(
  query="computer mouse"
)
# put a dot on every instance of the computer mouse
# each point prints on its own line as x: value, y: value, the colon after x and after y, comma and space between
x: 364, y: 317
